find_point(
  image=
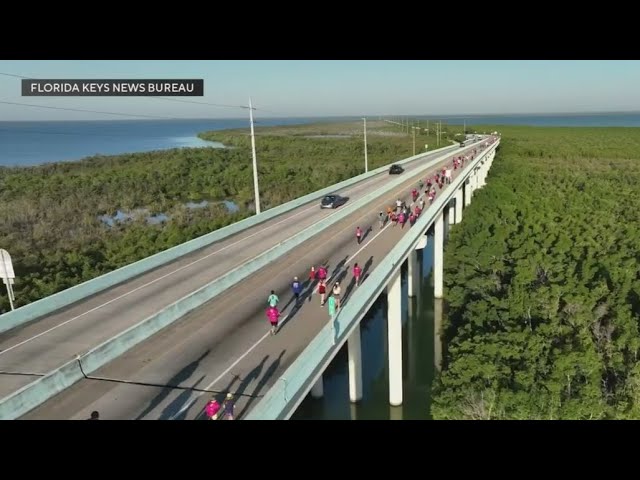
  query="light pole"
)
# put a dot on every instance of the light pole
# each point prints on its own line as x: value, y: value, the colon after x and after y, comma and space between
x: 255, y: 162
x: 366, y: 160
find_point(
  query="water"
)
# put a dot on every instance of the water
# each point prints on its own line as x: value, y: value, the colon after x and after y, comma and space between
x: 32, y: 143
x: 420, y: 355
x: 122, y: 216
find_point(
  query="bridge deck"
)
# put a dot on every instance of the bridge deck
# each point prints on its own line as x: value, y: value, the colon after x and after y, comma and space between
x: 225, y: 344
x: 49, y: 342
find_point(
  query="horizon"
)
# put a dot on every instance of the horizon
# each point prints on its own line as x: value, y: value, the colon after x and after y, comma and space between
x: 372, y: 117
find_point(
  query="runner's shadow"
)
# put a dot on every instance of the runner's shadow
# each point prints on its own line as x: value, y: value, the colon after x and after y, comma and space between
x: 367, y: 266
x: 338, y: 267
x: 261, y: 384
x: 366, y: 233
x: 183, y: 375
x: 180, y: 400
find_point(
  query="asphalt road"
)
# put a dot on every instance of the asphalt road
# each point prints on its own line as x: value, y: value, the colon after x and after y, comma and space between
x: 225, y: 345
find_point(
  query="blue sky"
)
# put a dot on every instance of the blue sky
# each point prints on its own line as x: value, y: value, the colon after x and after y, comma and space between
x: 341, y: 87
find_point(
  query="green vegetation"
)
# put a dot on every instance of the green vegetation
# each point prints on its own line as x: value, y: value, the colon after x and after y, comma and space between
x: 49, y: 214
x: 542, y: 282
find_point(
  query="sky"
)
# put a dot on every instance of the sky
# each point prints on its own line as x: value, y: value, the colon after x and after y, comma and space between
x: 303, y: 88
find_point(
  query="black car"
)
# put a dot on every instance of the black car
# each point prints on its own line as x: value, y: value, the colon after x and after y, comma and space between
x: 395, y: 170
x: 332, y: 201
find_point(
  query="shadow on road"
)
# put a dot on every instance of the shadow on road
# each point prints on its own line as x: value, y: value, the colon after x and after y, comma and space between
x: 262, y: 383
x: 177, y: 379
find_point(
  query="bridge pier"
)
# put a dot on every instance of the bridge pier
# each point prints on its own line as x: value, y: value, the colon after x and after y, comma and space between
x: 438, y: 260
x: 459, y: 197
x: 355, y: 366
x: 413, y: 273
x: 467, y: 192
x: 394, y: 338
x: 317, y: 391
x: 445, y: 223
x: 452, y: 210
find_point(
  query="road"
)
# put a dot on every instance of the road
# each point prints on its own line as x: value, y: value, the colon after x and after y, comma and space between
x: 225, y: 345
x: 47, y: 343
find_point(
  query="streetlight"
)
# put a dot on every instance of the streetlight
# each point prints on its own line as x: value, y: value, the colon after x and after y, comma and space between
x: 255, y: 162
x: 366, y: 160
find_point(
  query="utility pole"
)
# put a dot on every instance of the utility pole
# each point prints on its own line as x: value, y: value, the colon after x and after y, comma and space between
x: 255, y: 162
x: 414, y: 141
x: 366, y: 161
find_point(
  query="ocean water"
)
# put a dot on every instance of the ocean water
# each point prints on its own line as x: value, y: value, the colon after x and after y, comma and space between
x: 32, y: 143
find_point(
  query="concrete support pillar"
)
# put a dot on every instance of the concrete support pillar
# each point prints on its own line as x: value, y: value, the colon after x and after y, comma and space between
x: 459, y: 197
x: 445, y: 223
x: 317, y: 391
x: 396, y: 413
x: 413, y: 273
x: 467, y: 192
x: 437, y: 331
x: 438, y: 257
x: 452, y: 210
x: 394, y: 338
x: 355, y: 366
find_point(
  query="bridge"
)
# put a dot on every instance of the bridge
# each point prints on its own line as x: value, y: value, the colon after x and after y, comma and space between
x: 158, y: 338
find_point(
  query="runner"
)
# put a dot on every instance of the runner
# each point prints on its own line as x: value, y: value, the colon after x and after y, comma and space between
x: 332, y: 307
x: 296, y: 286
x: 420, y: 184
x: 336, y: 293
x: 381, y: 219
x: 401, y: 219
x: 211, y: 409
x: 357, y: 271
x: 322, y: 290
x: 273, y: 314
x: 322, y: 273
x: 358, y: 235
x: 273, y: 299
x: 227, y: 407
x: 414, y: 194
x: 312, y: 274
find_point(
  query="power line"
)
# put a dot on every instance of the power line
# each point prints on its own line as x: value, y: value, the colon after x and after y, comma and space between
x: 88, y: 111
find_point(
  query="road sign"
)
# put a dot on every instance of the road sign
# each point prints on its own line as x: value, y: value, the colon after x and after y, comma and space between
x: 6, y: 267
x: 7, y: 274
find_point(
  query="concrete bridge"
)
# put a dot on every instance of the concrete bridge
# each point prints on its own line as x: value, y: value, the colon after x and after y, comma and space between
x: 157, y: 338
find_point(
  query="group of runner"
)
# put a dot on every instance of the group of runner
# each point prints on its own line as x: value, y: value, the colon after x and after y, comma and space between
x: 318, y: 277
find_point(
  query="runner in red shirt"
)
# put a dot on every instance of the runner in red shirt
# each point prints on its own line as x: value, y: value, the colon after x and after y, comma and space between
x: 358, y: 235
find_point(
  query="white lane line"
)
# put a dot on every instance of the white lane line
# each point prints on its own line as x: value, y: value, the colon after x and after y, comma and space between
x: 8, y: 349
x: 190, y: 403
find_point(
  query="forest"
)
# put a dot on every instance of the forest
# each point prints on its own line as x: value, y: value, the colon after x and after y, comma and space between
x: 542, y: 282
x: 49, y: 214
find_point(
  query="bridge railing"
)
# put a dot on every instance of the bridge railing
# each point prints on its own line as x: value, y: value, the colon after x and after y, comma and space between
x: 291, y: 388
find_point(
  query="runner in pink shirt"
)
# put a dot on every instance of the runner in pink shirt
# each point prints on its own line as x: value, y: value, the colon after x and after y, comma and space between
x: 357, y: 271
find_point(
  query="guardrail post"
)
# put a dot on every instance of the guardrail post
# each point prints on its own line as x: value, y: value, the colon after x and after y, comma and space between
x: 438, y: 255
x: 394, y: 338
x: 413, y: 273
x: 355, y: 366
